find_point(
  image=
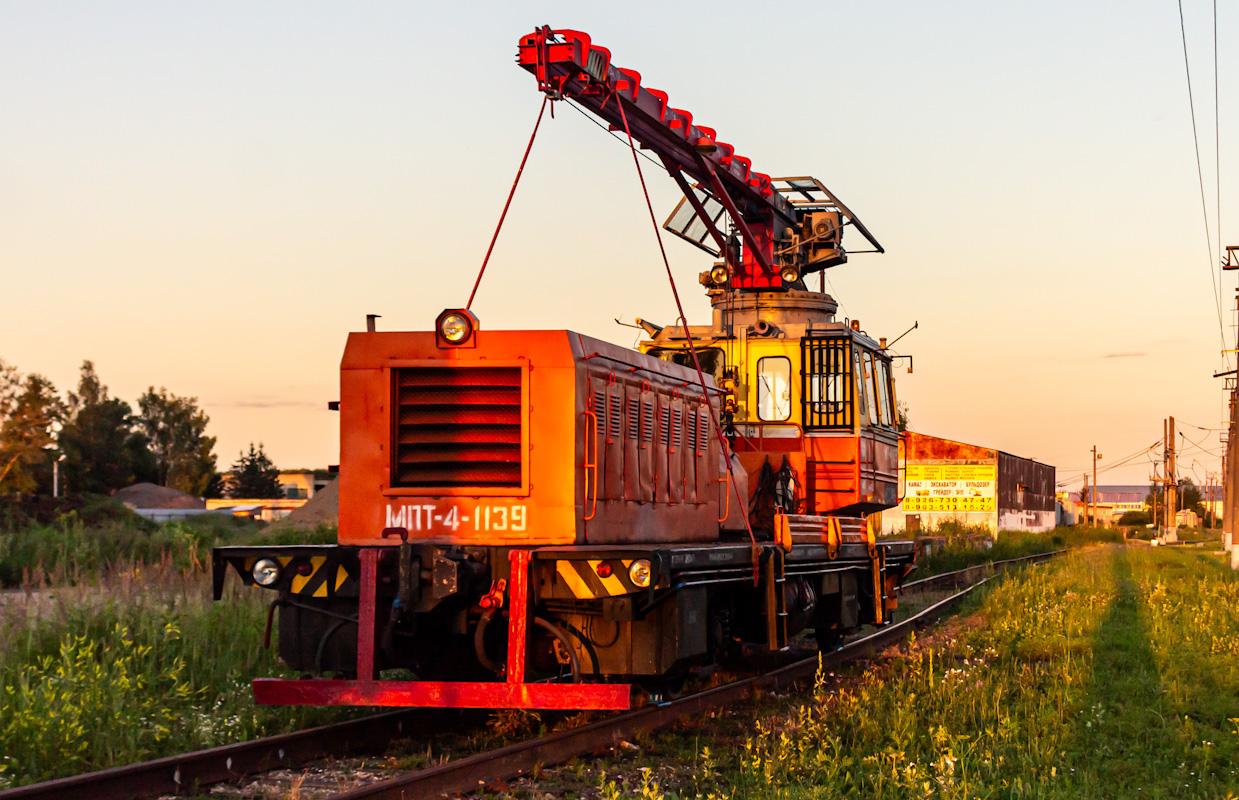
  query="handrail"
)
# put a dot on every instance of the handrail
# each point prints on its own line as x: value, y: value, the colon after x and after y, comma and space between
x: 588, y: 465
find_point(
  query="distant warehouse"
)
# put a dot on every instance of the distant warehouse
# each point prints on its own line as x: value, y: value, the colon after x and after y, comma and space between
x: 947, y: 480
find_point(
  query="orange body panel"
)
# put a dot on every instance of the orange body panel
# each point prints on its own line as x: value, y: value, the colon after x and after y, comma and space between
x: 606, y: 453
x: 838, y: 474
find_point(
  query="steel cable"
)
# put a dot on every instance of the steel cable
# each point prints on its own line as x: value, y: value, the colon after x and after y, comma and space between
x: 705, y: 393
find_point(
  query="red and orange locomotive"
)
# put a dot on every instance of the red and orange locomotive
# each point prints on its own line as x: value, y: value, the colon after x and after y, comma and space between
x: 540, y: 519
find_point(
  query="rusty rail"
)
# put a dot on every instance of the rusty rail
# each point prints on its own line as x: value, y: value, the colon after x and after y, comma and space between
x: 469, y: 773
x: 968, y: 575
x: 191, y: 771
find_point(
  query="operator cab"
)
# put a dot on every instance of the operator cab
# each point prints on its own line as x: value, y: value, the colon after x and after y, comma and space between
x: 801, y: 392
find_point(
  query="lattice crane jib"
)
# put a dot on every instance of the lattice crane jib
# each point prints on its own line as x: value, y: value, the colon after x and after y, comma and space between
x: 770, y: 231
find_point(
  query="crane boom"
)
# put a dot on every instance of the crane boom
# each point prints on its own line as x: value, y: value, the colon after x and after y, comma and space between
x: 789, y: 227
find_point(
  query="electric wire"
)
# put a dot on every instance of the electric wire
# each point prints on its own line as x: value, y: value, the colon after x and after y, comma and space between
x: 1214, y: 279
x: 1217, y: 143
x: 1124, y: 461
x: 610, y: 132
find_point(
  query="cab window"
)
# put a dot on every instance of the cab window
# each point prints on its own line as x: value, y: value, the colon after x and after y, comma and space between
x: 774, y: 388
x: 828, y: 383
x: 883, y: 379
x: 859, y: 374
x: 711, y: 358
x: 869, y: 390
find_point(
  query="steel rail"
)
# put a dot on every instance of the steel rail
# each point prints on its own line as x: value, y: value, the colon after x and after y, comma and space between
x: 466, y: 774
x: 952, y: 578
x: 190, y: 771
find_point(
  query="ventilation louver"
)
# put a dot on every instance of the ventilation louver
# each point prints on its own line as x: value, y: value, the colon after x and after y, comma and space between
x: 457, y: 427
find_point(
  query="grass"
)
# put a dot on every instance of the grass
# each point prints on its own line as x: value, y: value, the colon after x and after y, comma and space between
x: 112, y: 650
x: 136, y: 665
x: 961, y: 550
x: 70, y: 550
x: 1113, y: 673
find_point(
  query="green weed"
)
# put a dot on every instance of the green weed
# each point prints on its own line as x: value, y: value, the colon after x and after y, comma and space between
x: 136, y: 664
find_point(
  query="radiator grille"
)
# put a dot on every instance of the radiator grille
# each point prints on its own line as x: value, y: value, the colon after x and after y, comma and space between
x: 456, y: 426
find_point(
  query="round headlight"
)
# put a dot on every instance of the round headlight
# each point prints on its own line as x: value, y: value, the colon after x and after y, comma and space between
x: 266, y: 571
x: 456, y: 328
x: 719, y: 274
x: 639, y: 573
x: 789, y: 275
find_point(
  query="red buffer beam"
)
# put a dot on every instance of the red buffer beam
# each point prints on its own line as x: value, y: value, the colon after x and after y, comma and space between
x: 568, y: 64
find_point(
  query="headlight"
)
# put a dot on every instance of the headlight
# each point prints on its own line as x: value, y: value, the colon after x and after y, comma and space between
x: 639, y: 573
x: 455, y: 328
x: 789, y: 275
x: 719, y: 274
x: 266, y: 571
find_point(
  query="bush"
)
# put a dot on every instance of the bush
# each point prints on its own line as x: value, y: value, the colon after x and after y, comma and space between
x: 70, y: 550
x: 1135, y: 518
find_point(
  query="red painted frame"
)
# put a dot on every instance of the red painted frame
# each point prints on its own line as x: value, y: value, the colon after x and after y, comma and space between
x: 513, y: 692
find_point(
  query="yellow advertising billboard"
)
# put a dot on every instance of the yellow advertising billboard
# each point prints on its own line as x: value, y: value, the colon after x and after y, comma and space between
x: 951, y: 487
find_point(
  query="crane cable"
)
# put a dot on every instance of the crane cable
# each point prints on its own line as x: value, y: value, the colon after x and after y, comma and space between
x: 506, y: 205
x: 705, y: 392
x: 1214, y: 283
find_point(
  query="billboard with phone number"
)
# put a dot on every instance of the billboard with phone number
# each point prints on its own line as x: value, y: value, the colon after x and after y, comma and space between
x: 950, y: 487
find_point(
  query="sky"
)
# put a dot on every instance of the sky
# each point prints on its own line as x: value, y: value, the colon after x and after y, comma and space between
x: 210, y: 196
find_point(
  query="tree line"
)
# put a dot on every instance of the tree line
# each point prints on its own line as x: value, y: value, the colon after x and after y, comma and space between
x: 102, y: 444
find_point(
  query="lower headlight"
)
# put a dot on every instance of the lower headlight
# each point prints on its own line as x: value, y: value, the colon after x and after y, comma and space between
x: 266, y: 571
x: 639, y: 573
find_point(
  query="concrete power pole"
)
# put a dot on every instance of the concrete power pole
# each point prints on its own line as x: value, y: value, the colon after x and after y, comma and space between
x: 1093, y: 497
x: 1230, y: 472
x: 1172, y: 486
x: 1084, y: 500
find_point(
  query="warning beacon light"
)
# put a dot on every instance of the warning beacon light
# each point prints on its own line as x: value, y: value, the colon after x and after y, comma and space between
x: 455, y: 327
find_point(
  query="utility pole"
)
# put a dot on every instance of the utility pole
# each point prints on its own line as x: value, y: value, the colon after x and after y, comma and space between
x: 1230, y: 471
x: 1172, y: 485
x: 1084, y: 500
x: 1093, y: 496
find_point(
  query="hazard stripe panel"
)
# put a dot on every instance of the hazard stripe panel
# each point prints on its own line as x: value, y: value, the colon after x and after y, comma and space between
x: 583, y: 581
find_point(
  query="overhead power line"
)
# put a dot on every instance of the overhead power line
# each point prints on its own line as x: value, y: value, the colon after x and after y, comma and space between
x: 1214, y: 278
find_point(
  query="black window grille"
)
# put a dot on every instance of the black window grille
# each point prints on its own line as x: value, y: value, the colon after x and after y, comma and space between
x: 828, y: 388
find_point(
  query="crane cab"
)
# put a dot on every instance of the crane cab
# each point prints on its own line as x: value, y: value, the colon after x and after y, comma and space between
x: 809, y: 403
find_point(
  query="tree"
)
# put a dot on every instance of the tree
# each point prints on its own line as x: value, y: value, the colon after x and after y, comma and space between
x: 103, y: 451
x: 30, y: 408
x: 216, y: 488
x: 255, y: 476
x: 10, y: 388
x: 1191, y: 499
x: 176, y: 429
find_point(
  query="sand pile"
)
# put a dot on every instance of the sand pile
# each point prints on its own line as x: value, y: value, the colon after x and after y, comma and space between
x: 321, y: 509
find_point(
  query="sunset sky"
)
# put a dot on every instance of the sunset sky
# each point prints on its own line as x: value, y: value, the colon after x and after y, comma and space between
x: 210, y: 196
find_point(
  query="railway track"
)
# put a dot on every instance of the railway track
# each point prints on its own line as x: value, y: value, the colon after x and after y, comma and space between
x: 192, y: 771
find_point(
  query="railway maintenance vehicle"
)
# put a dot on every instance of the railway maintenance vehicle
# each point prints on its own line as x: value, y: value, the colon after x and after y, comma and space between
x: 540, y: 519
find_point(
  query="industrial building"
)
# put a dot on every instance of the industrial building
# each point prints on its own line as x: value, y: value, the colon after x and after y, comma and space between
x: 945, y: 480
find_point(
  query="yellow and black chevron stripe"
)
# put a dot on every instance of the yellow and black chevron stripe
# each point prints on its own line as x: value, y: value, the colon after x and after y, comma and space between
x: 584, y: 583
x: 318, y: 582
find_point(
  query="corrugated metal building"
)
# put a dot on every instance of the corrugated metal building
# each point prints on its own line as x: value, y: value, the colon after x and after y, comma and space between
x: 948, y: 480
